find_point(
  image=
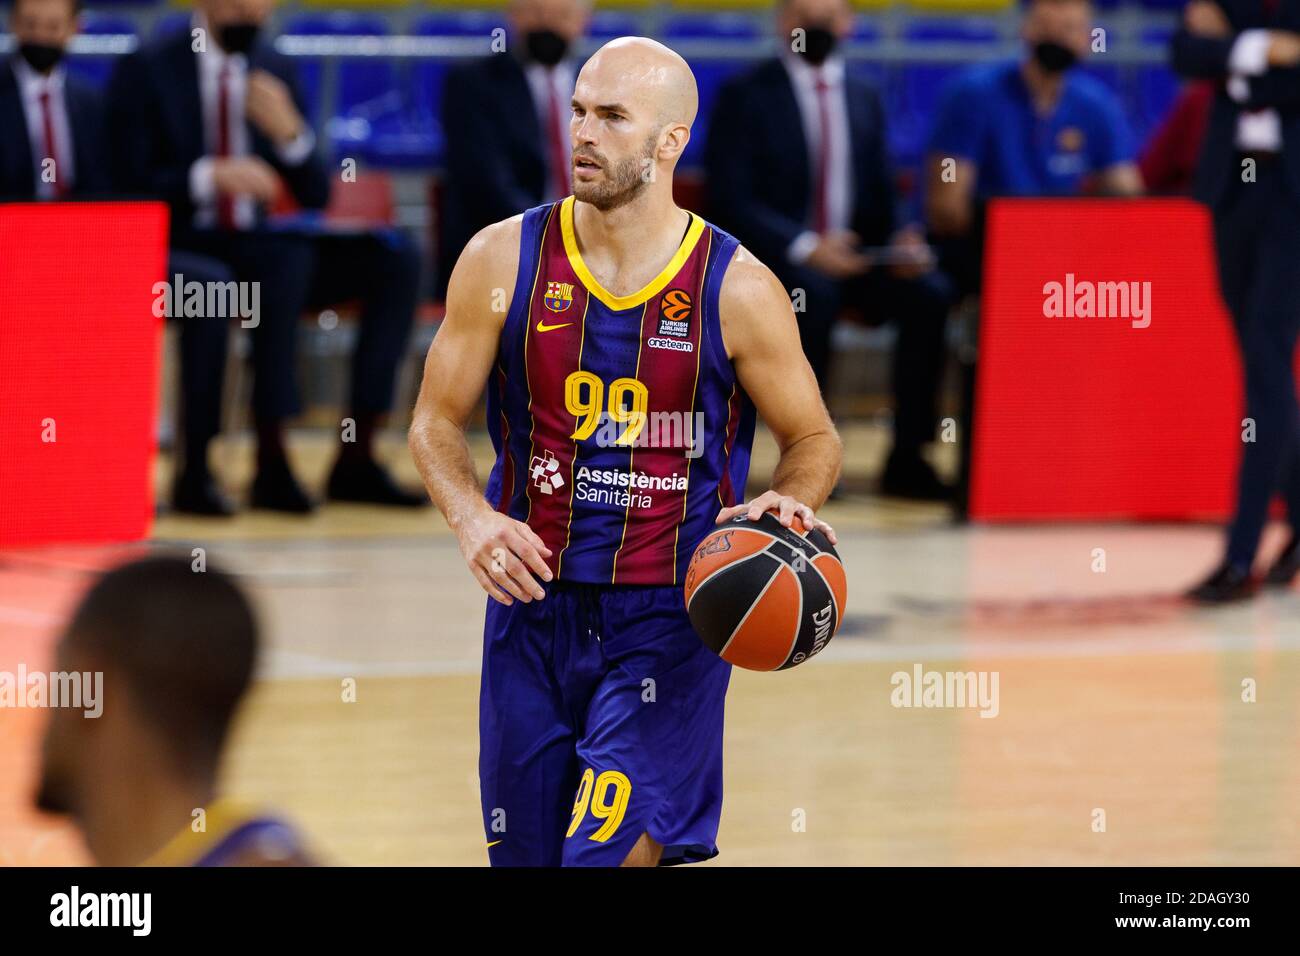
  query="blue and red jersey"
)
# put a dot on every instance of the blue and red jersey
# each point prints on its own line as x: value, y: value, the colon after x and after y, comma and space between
x: 618, y: 422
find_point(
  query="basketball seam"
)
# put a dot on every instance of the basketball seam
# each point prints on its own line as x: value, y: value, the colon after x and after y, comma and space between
x: 778, y: 538
x: 798, y: 622
x: 730, y: 564
x: 755, y: 603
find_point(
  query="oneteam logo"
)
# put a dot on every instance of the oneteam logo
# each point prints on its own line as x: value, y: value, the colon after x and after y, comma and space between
x: 674, y: 323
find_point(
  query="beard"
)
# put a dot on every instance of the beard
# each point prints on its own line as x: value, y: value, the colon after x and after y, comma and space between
x: 623, y: 181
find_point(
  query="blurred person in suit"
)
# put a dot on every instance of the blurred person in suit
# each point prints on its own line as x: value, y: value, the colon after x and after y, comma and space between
x: 51, y: 122
x: 52, y: 147
x: 173, y: 648
x: 211, y: 120
x: 506, y: 118
x: 1249, y: 176
x: 1033, y: 126
x: 797, y: 170
x: 1170, y: 154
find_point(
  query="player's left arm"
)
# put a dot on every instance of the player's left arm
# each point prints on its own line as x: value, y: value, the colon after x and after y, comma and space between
x: 762, y: 339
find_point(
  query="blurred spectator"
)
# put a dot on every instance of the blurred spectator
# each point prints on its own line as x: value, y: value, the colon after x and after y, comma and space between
x: 797, y: 170
x: 174, y: 651
x: 1249, y: 176
x: 1037, y: 126
x: 50, y: 122
x: 506, y: 118
x: 1168, y: 160
x: 46, y: 115
x: 210, y: 119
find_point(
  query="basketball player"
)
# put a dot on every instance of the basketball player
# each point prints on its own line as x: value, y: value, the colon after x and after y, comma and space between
x: 176, y: 649
x: 591, y: 321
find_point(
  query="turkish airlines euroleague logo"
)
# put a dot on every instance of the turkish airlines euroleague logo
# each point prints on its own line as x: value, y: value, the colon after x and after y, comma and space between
x: 674, y: 322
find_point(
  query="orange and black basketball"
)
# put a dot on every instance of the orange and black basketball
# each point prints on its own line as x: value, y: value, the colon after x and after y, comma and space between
x: 765, y: 597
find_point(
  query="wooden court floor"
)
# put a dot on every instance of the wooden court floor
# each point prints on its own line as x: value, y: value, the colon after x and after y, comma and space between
x: 1120, y: 733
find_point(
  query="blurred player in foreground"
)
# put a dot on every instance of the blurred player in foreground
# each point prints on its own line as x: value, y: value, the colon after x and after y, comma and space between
x: 176, y: 648
x: 626, y: 345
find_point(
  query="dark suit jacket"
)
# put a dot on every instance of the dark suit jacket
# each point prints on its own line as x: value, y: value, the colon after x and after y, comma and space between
x: 85, y: 119
x: 1207, y: 58
x: 496, y: 165
x: 759, y: 175
x: 155, y: 127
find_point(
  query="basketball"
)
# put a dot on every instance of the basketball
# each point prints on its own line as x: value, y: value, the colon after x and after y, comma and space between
x: 763, y: 596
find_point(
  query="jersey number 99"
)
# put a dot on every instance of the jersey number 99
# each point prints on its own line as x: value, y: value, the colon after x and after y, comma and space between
x: 584, y: 397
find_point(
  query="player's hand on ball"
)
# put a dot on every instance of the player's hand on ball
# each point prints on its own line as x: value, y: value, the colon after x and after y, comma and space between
x: 503, y: 554
x: 786, y: 509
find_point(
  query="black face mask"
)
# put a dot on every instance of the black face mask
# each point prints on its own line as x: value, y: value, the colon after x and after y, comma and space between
x: 238, y: 37
x: 818, y: 44
x: 40, y: 56
x: 1053, y: 57
x: 545, y: 47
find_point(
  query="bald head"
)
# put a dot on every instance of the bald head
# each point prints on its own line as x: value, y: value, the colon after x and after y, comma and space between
x: 648, y: 73
x: 633, y: 106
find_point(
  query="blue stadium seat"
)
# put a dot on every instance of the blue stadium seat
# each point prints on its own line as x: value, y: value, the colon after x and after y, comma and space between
x: 872, y: 70
x: 96, y: 69
x: 172, y: 21
x: 919, y: 85
x: 712, y: 71
x: 360, y: 82
x: 369, y: 117
x: 426, y: 76
x: 609, y: 24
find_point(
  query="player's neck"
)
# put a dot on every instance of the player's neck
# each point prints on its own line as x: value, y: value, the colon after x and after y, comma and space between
x: 126, y: 825
x: 632, y: 232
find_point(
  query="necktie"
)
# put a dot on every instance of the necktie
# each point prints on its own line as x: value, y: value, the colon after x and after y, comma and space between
x: 558, y: 148
x: 51, y: 148
x: 225, y: 202
x: 821, y: 198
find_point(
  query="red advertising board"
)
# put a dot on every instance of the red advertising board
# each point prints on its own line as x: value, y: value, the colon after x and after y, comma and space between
x: 79, y: 362
x: 1109, y: 380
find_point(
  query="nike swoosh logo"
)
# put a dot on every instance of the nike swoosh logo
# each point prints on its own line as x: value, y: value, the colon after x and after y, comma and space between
x: 541, y: 327
x: 491, y: 845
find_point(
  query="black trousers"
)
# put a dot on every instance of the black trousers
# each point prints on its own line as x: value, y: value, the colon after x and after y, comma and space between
x: 281, y: 265
x: 295, y: 272
x: 203, y: 348
x: 919, y: 309
x: 382, y: 270
x: 1257, y: 240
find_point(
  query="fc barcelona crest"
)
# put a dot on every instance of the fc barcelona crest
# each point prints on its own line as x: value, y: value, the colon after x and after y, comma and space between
x: 559, y: 296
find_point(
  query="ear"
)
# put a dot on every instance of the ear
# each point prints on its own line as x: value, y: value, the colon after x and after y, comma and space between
x: 674, y: 140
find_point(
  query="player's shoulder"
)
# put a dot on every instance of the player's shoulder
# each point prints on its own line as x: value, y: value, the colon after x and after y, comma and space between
x: 749, y: 287
x: 495, y: 239
x: 747, y: 271
x: 487, y: 269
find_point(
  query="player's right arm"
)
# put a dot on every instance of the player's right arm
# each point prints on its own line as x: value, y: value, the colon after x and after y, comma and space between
x: 502, y: 553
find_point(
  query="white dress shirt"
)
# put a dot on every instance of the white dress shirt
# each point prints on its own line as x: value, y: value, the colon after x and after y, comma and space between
x: 213, y: 64
x: 31, y: 85
x: 545, y: 82
x: 1256, y: 129
x: 839, y: 173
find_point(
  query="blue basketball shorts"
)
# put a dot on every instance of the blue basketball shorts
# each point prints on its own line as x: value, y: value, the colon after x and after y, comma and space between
x: 600, y: 719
